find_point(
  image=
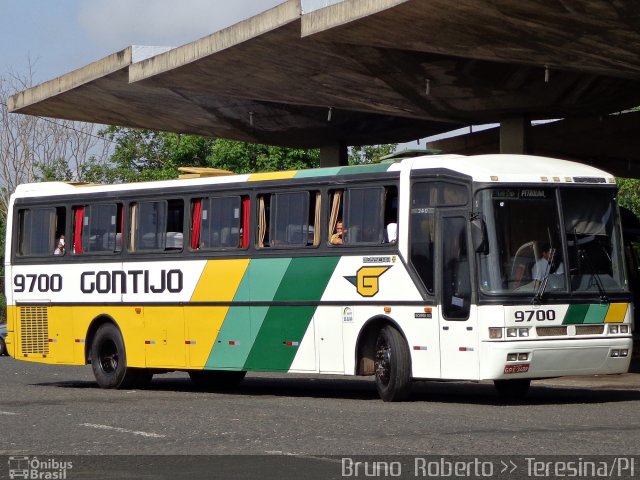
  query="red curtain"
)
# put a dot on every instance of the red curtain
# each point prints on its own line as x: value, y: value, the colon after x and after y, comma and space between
x: 121, y: 212
x: 77, y: 232
x: 246, y: 216
x: 195, y: 223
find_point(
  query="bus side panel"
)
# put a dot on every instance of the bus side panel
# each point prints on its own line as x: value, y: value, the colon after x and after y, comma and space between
x: 237, y: 333
x: 164, y: 341
x: 328, y: 322
x: 280, y: 334
x: 61, y: 335
x: 216, y: 336
x: 384, y: 281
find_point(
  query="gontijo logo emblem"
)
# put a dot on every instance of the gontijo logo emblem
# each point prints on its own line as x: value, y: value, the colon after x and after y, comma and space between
x: 367, y: 280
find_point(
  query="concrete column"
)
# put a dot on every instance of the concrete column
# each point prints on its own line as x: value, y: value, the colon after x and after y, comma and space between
x: 334, y: 155
x: 514, y: 135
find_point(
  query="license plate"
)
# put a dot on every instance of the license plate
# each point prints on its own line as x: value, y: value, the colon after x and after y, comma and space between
x: 518, y: 368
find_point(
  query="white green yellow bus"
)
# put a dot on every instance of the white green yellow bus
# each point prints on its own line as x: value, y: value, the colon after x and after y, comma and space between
x: 439, y: 274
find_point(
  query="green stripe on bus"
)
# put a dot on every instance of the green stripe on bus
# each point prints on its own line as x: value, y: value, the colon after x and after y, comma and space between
x: 350, y: 170
x: 586, y: 313
x: 318, y: 172
x: 596, y: 313
x: 283, y: 327
x: 575, y: 314
x: 373, y: 168
x: 238, y: 331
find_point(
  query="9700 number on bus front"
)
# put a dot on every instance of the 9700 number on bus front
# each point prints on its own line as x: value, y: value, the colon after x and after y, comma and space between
x: 538, y: 315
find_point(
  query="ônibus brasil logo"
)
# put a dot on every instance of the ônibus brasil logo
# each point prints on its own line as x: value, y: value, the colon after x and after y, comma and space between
x: 32, y: 468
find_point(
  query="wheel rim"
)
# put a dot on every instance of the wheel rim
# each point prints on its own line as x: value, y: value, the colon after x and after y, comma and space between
x: 108, y: 357
x: 383, y: 361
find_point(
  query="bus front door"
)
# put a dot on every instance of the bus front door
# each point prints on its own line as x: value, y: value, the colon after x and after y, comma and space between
x: 458, y: 320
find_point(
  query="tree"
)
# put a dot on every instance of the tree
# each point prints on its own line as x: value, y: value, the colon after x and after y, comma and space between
x: 150, y: 155
x: 36, y: 148
x: 629, y: 194
x: 242, y: 157
x: 370, y: 153
x: 141, y: 155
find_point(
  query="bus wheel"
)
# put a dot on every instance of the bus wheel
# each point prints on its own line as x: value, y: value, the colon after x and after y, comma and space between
x: 392, y: 365
x: 3, y: 347
x: 109, y: 360
x: 216, y: 378
x: 512, y: 389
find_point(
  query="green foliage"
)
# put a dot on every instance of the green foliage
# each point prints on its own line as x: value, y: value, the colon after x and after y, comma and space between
x: 58, y: 170
x: 241, y: 157
x: 629, y: 194
x: 141, y: 155
x: 370, y: 153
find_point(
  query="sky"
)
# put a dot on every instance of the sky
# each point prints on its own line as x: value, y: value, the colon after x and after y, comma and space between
x: 58, y: 36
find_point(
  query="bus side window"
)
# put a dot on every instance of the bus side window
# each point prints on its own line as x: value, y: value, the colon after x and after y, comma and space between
x: 39, y: 230
x: 157, y: 226
x: 364, y: 210
x: 218, y: 222
x: 391, y: 214
x: 97, y: 229
x: 289, y: 219
x: 422, y: 245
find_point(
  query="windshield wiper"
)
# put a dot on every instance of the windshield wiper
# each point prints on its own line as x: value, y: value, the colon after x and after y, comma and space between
x: 587, y: 260
x: 537, y: 297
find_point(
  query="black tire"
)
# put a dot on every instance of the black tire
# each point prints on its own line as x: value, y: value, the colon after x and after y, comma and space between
x: 109, y: 359
x: 3, y: 347
x: 392, y: 365
x: 512, y: 390
x: 216, y: 378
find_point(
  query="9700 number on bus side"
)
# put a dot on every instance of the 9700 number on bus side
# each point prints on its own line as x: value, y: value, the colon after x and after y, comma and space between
x: 538, y: 315
x: 37, y: 283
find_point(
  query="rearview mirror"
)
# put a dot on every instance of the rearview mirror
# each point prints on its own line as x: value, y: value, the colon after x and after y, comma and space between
x: 479, y: 236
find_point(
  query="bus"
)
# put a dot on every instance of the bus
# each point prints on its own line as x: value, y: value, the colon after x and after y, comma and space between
x: 503, y: 268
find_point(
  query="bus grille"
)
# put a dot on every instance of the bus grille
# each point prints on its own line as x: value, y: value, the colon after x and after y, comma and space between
x: 589, y: 329
x: 551, y: 331
x: 34, y: 330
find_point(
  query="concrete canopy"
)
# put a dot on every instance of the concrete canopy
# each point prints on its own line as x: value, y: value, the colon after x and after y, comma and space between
x: 367, y: 71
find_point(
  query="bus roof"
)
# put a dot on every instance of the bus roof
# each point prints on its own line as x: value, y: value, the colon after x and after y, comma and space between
x: 492, y: 168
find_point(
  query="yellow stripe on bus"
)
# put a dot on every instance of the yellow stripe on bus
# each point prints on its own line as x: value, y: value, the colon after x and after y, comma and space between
x: 616, y: 313
x: 272, y: 176
x: 220, y: 280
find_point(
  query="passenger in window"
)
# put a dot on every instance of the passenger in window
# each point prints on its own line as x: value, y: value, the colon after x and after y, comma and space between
x: 337, y: 237
x: 60, y: 249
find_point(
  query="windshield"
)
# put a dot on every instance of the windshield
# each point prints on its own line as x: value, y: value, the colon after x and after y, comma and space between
x: 530, y: 247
